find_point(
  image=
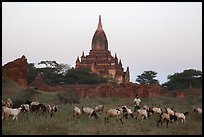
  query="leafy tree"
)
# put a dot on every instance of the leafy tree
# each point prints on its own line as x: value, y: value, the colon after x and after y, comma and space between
x: 147, y: 77
x: 48, y: 64
x: 31, y: 72
x: 53, y: 73
x: 83, y: 76
x: 187, y: 79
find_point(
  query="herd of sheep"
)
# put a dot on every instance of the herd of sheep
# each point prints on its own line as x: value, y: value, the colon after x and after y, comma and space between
x: 119, y: 113
x: 33, y: 106
x: 166, y: 114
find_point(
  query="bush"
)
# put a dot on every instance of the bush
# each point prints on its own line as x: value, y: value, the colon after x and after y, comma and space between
x: 27, y: 94
x: 67, y: 97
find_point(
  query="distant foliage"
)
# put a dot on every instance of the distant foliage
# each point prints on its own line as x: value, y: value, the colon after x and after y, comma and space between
x: 31, y: 72
x: 83, y: 76
x: 147, y: 77
x: 57, y: 74
x: 187, y: 79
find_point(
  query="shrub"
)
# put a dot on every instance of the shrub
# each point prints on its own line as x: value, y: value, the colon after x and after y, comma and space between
x: 67, y: 97
x: 27, y: 94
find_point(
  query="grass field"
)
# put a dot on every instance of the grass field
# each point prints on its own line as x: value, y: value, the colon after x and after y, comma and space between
x: 64, y: 124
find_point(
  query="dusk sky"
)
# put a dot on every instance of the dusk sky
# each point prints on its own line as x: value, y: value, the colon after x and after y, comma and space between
x: 165, y: 37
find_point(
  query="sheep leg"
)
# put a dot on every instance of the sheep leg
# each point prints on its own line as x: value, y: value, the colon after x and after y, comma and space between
x: 182, y: 120
x: 167, y: 123
x: 121, y: 120
x: 137, y: 116
x: 158, y: 122
x: 106, y: 120
x: 14, y: 117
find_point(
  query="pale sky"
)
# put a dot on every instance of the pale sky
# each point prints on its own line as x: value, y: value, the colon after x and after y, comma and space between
x: 165, y: 37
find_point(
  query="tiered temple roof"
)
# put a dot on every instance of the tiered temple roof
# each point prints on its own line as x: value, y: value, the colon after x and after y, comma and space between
x: 100, y: 59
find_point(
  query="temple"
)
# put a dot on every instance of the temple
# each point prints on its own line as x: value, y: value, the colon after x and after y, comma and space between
x: 100, y: 59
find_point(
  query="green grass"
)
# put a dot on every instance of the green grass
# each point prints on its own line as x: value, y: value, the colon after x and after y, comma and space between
x: 64, y: 124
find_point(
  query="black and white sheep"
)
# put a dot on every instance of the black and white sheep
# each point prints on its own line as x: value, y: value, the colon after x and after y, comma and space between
x: 89, y: 111
x: 53, y: 110
x: 129, y: 111
x: 25, y: 107
x: 166, y: 117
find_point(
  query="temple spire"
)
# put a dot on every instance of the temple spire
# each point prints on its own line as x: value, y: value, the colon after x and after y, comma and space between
x: 99, y: 23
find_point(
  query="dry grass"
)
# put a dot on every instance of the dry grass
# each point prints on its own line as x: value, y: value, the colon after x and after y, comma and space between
x: 64, y: 124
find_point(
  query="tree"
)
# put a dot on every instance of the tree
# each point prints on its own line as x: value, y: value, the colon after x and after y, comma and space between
x: 83, y: 76
x: 187, y: 79
x: 147, y: 77
x: 31, y: 72
x: 48, y: 64
x: 53, y: 73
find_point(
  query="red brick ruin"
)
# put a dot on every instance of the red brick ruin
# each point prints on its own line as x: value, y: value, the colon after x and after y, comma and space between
x: 16, y: 70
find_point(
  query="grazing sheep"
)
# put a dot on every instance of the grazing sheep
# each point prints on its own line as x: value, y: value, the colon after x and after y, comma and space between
x: 76, y: 112
x: 3, y: 103
x: 197, y: 110
x: 99, y: 108
x: 149, y: 110
x: 53, y: 110
x: 89, y: 111
x: 170, y: 111
x: 25, y: 107
x: 156, y: 110
x: 28, y: 102
x: 6, y: 112
x: 129, y: 111
x: 48, y: 108
x: 117, y: 113
x: 166, y: 117
x: 8, y: 103
x: 145, y: 107
x: 39, y: 107
x: 181, y: 116
x: 143, y: 113
x: 34, y: 103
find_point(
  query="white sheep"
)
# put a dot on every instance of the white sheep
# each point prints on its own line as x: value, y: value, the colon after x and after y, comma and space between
x: 169, y: 111
x: 99, y: 108
x: 34, y: 103
x: 76, y: 112
x: 7, y: 103
x: 156, y: 110
x: 143, y: 113
x: 197, y: 110
x: 6, y: 112
x: 117, y: 113
x: 89, y: 111
x: 145, y: 107
x: 181, y: 116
